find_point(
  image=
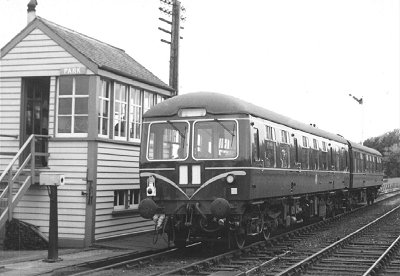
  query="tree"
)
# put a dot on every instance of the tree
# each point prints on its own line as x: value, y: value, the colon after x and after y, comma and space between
x: 388, y: 145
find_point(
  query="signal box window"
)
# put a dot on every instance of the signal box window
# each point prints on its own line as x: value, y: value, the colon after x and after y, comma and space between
x: 215, y: 139
x: 168, y: 141
x: 73, y: 96
x: 120, y: 111
x: 135, y: 114
x: 103, y: 108
x: 270, y: 147
x: 126, y: 199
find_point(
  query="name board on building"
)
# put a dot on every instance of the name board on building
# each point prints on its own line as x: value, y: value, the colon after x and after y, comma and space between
x: 73, y: 71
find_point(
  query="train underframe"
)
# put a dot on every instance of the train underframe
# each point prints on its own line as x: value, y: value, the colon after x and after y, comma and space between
x: 256, y: 219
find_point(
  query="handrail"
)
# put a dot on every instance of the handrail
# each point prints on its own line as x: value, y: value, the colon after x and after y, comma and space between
x: 19, y: 153
x: 13, y: 200
x: 16, y: 157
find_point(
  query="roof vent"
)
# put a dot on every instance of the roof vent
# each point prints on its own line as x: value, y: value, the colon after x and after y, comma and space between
x: 32, y: 10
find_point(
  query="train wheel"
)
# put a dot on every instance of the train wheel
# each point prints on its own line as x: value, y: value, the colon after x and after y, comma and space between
x: 240, y: 237
x: 266, y: 232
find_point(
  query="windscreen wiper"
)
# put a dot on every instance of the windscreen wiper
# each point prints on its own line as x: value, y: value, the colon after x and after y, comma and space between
x: 177, y: 129
x: 227, y: 129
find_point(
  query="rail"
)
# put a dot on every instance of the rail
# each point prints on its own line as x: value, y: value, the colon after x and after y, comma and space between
x: 7, y: 194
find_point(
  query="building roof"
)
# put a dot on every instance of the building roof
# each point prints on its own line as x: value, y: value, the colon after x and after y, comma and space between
x: 103, y: 55
x: 220, y: 104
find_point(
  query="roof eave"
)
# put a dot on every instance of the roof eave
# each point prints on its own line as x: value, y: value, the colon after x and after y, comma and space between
x: 119, y: 72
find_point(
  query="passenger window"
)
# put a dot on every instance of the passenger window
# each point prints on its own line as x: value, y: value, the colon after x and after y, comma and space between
x: 315, y: 155
x: 284, y: 136
x: 305, y: 156
x: 323, y: 161
x: 270, y: 147
x: 284, y: 154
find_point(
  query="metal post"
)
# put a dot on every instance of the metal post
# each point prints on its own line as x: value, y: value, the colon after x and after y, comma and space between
x: 33, y: 159
x: 10, y: 194
x: 53, y: 227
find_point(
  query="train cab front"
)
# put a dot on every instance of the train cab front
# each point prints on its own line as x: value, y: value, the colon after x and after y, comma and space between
x: 189, y: 175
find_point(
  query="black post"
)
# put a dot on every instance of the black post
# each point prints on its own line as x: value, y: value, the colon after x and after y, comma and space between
x: 52, y: 255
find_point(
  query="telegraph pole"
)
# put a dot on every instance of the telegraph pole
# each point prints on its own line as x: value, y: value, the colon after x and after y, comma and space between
x: 174, y: 10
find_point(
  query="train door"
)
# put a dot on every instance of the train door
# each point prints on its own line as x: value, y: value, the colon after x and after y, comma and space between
x: 35, y: 114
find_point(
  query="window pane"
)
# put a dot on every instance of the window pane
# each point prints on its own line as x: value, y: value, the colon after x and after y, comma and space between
x: 104, y: 129
x: 64, y: 124
x: 215, y: 139
x: 81, y: 85
x: 270, y: 153
x: 121, y: 198
x: 65, y: 85
x: 81, y: 105
x: 65, y: 106
x: 115, y: 198
x: 105, y: 109
x: 168, y: 141
x: 117, y: 91
x: 81, y: 124
x: 123, y: 93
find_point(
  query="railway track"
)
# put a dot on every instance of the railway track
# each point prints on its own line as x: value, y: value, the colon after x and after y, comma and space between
x: 280, y: 250
x: 363, y: 252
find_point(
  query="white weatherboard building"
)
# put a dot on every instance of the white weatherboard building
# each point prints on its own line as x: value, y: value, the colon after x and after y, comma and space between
x: 86, y: 98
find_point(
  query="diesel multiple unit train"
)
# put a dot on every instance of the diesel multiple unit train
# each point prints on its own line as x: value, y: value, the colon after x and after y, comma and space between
x: 215, y: 168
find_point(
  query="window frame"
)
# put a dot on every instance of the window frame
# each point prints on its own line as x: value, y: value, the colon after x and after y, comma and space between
x: 73, y: 97
x: 132, y: 107
x: 101, y: 99
x: 121, y: 103
x: 187, y: 141
x: 216, y: 159
x: 270, y: 139
x: 128, y: 199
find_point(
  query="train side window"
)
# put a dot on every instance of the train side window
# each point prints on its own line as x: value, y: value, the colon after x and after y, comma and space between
x: 284, y: 136
x: 284, y: 155
x: 379, y: 164
x: 343, y: 159
x: 315, y: 155
x: 324, y: 157
x: 337, y: 159
x: 363, y: 162
x: 332, y: 155
x: 270, y: 147
x: 374, y: 165
x: 305, y: 156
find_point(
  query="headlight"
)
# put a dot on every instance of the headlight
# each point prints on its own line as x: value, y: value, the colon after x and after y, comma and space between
x: 151, y: 186
x: 230, y: 178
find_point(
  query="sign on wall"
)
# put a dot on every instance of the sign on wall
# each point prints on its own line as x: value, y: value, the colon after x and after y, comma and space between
x: 73, y: 71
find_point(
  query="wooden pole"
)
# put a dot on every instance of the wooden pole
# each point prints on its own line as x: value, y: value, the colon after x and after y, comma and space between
x: 174, y: 56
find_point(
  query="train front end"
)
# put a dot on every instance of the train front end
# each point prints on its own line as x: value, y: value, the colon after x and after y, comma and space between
x: 190, y: 182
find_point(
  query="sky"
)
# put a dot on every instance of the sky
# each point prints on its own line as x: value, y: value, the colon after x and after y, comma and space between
x: 299, y: 58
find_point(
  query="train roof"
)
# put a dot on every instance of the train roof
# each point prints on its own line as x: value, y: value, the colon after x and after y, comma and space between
x: 364, y: 148
x: 220, y: 104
